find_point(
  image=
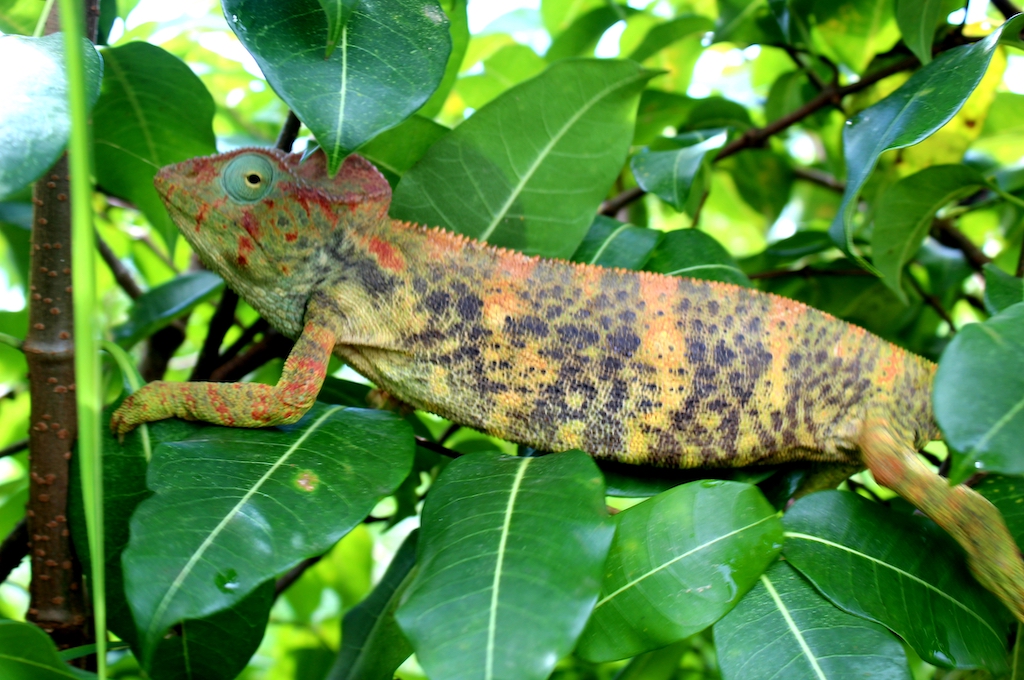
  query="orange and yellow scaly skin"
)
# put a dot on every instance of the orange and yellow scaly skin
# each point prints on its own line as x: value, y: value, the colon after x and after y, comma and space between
x: 627, y: 366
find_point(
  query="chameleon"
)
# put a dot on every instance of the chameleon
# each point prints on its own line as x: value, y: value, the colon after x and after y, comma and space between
x: 627, y: 366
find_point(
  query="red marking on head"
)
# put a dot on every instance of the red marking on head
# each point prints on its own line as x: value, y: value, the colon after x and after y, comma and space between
x: 387, y: 256
x: 250, y: 224
x: 307, y: 197
x: 204, y: 169
x: 245, y: 246
x: 291, y: 236
x: 201, y: 214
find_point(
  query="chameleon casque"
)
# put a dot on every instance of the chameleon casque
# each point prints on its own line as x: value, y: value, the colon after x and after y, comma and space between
x: 628, y: 366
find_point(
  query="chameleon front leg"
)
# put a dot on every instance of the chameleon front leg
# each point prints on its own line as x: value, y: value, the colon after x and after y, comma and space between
x: 242, y: 404
x: 965, y: 514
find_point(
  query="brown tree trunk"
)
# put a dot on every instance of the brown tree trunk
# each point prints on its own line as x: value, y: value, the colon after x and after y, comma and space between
x: 57, y: 601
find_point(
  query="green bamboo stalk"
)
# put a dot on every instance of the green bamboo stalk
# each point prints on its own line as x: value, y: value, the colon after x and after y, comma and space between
x: 87, y: 363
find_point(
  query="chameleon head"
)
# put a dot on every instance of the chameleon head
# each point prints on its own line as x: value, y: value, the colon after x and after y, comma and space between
x: 267, y: 221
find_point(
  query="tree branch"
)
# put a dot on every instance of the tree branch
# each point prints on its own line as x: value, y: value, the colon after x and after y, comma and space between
x: 1006, y: 8
x: 294, y: 574
x: 14, y: 549
x: 932, y: 302
x: 16, y: 447
x: 946, y: 233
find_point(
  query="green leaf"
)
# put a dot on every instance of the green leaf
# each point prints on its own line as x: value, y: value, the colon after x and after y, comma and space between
x: 529, y: 170
x: 27, y: 653
x: 918, y: 20
x: 658, y: 110
x: 905, y: 213
x: 153, y: 111
x: 34, y: 118
x: 784, y: 628
x: 661, y: 586
x: 20, y: 16
x: 763, y: 178
x: 158, y: 307
x: 610, y: 243
x: 694, y: 254
x: 1001, y: 289
x: 510, y: 562
x: 669, y: 175
x: 854, y: 31
x: 458, y: 29
x: 396, y: 150
x: 979, y: 393
x: 912, y: 113
x: 372, y: 646
x: 509, y: 66
x: 338, y: 13
x: 661, y: 664
x: 746, y: 21
x: 390, y: 58
x: 233, y: 508
x: 899, y: 570
x: 1007, y: 494
x: 580, y: 38
x: 216, y: 647
x: 663, y: 35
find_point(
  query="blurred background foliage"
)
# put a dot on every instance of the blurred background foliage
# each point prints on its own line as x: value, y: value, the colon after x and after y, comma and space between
x: 722, y: 65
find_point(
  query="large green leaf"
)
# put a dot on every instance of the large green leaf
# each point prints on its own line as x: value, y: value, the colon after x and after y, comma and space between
x: 901, y: 571
x: 530, y: 169
x: 34, y: 118
x: 509, y: 66
x: 338, y: 13
x: 661, y: 586
x: 610, y: 243
x: 854, y: 31
x: 784, y: 629
x: 20, y: 16
x: 233, y: 508
x: 670, y: 174
x: 26, y: 653
x: 390, y: 57
x: 905, y: 213
x: 458, y: 28
x: 372, y: 646
x: 396, y: 150
x: 1001, y: 289
x: 663, y: 35
x: 979, y: 394
x: 693, y: 254
x: 918, y: 20
x: 580, y: 38
x: 153, y: 111
x: 156, y: 308
x: 215, y: 647
x: 510, y: 561
x: 912, y: 113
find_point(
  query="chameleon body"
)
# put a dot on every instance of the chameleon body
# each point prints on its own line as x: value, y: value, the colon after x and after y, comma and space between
x: 627, y: 366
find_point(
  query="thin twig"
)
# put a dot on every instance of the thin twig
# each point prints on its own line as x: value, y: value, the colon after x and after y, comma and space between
x: 247, y: 336
x: 818, y: 177
x: 436, y: 448
x: 933, y: 302
x: 121, y: 274
x: 756, y: 137
x: 946, y: 233
x: 16, y: 447
x: 14, y: 549
x: 699, y: 209
x: 294, y: 574
x: 808, y: 272
x: 222, y: 319
x: 452, y: 429
x: 289, y: 131
x: 1006, y: 8
x: 272, y: 346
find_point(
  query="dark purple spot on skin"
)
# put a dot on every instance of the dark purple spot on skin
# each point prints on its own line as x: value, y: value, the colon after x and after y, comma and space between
x: 623, y: 341
x: 437, y: 302
x: 469, y: 307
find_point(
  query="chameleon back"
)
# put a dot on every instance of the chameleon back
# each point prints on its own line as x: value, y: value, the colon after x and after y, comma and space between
x: 637, y: 367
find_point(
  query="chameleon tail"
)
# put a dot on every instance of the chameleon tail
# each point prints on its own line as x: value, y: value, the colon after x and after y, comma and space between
x: 967, y: 516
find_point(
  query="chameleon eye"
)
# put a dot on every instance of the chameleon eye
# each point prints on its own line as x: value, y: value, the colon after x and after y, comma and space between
x: 248, y: 178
